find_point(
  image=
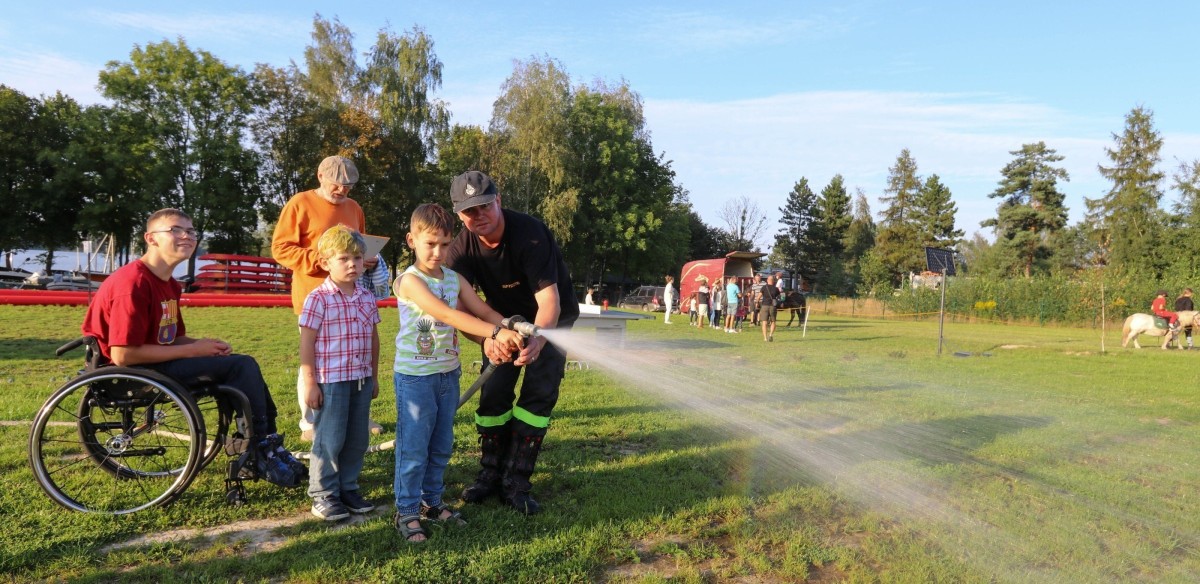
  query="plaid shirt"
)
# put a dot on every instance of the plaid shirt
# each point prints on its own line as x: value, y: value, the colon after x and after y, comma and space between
x: 344, y: 325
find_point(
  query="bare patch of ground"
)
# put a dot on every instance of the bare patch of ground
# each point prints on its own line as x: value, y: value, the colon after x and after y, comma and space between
x: 260, y: 535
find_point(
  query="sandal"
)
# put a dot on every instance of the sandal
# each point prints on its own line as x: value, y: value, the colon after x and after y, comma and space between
x: 408, y: 532
x: 442, y: 514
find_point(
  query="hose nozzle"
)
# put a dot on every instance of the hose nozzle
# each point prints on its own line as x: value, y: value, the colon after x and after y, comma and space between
x: 519, y: 324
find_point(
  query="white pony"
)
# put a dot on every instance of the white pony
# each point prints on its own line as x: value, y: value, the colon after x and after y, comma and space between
x: 1143, y: 324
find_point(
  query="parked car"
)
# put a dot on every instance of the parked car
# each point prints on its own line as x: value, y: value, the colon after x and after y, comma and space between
x: 649, y: 298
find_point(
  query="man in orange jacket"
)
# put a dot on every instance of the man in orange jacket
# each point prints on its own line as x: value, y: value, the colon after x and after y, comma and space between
x: 301, y: 222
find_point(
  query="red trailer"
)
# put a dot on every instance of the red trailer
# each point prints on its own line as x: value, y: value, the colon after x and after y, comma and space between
x: 735, y: 263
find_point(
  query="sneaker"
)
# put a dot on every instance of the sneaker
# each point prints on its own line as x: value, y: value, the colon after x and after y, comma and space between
x: 329, y: 508
x: 356, y: 503
x: 278, y: 468
x: 288, y: 458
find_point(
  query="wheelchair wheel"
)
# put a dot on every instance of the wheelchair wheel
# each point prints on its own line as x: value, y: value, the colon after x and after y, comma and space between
x: 116, y: 440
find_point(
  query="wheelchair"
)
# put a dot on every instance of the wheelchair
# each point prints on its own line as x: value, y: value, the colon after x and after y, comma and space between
x: 117, y: 440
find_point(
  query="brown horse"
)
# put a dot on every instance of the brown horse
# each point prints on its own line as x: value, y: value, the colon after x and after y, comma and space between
x: 1143, y: 324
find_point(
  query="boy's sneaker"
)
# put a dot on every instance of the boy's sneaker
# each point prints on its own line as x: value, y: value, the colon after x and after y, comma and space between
x: 356, y: 503
x: 329, y: 508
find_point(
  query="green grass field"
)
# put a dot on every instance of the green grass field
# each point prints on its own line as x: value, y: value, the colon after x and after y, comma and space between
x: 853, y: 454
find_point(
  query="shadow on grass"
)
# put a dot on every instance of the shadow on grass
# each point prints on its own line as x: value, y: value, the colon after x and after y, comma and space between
x: 932, y: 443
x: 32, y: 349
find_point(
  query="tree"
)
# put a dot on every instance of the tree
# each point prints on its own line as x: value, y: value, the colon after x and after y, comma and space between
x: 1031, y: 209
x: 19, y: 146
x: 798, y: 245
x: 286, y: 130
x: 530, y: 118
x: 623, y: 193
x: 1186, y: 262
x: 53, y: 209
x: 860, y: 238
x: 1127, y: 221
x: 199, y: 109
x: 933, y: 213
x: 834, y: 217
x: 898, y: 243
x: 744, y: 222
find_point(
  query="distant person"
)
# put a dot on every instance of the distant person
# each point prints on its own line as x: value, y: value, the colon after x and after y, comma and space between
x: 692, y: 309
x: 339, y: 365
x: 135, y: 317
x: 768, y: 294
x: 755, y: 303
x: 431, y: 300
x: 669, y: 298
x: 1184, y: 302
x: 588, y: 300
x: 305, y: 217
x: 1159, y: 308
x: 514, y: 260
x: 702, y: 302
x: 732, y: 305
x: 716, y: 304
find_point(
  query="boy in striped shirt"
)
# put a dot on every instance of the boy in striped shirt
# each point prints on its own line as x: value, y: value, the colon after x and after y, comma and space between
x: 339, y: 356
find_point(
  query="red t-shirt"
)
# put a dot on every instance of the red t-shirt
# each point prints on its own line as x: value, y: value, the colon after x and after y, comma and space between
x: 134, y: 307
x: 1159, y: 305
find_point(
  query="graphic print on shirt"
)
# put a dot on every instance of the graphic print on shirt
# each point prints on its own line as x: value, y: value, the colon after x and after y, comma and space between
x: 424, y: 335
x: 168, y: 322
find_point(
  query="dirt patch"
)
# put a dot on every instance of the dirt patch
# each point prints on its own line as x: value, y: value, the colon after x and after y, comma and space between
x: 258, y: 534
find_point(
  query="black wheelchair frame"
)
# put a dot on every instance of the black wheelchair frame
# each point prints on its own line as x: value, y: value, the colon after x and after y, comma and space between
x: 117, y: 440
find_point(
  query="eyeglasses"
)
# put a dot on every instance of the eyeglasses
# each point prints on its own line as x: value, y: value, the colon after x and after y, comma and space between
x: 178, y: 232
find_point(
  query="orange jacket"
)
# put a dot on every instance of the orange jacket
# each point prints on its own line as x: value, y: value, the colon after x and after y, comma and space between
x: 294, y: 245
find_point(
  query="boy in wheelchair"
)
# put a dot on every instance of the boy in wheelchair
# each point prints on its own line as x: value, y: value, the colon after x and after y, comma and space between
x: 136, y: 320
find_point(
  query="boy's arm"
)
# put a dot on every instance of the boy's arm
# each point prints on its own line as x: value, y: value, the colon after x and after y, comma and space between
x: 309, y: 387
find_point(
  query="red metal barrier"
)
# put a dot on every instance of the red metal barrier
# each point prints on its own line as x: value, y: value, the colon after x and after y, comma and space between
x: 66, y: 298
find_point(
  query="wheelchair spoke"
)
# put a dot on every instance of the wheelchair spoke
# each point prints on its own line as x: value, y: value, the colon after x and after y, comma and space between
x: 113, y: 442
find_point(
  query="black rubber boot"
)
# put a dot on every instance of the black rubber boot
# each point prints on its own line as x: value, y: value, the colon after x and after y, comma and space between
x: 522, y: 458
x: 494, y: 449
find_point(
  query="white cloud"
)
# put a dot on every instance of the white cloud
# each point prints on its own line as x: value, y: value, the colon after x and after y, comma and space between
x: 200, y: 25
x: 761, y: 147
x: 36, y: 74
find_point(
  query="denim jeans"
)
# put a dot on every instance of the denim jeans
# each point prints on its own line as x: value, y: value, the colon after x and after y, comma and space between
x: 340, y: 436
x: 240, y: 371
x: 425, y: 408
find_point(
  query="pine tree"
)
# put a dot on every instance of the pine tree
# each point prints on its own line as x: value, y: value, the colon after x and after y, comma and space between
x: 860, y: 238
x: 797, y: 243
x: 1031, y: 211
x: 898, y: 243
x: 833, y: 215
x: 1127, y: 221
x: 933, y: 214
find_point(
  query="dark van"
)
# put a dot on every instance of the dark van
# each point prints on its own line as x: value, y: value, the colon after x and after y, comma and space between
x: 649, y: 298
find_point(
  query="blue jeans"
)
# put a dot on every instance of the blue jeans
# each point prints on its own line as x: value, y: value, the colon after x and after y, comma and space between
x: 340, y: 435
x: 425, y: 408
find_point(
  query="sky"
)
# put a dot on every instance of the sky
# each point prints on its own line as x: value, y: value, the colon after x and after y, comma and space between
x: 743, y: 98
